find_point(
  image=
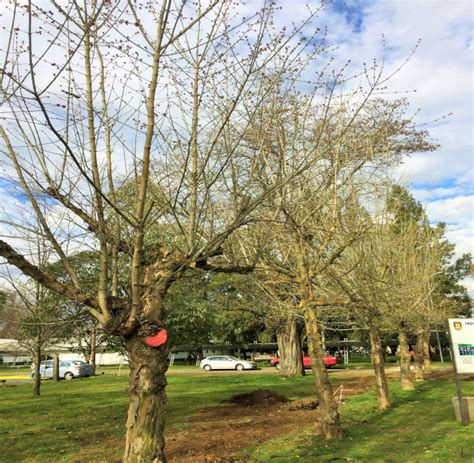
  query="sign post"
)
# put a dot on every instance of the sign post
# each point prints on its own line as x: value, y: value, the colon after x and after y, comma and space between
x: 461, y: 334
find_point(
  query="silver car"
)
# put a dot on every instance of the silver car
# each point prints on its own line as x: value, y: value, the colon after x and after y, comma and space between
x: 226, y: 362
x: 68, y: 369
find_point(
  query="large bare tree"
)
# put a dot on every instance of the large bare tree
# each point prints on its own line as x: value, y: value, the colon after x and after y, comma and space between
x: 125, y: 127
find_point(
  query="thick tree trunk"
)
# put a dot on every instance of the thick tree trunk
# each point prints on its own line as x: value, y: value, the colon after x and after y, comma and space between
x: 146, y: 414
x: 56, y: 367
x: 145, y: 440
x: 289, y: 345
x: 378, y: 363
x: 329, y: 416
x: 406, y: 375
x: 36, y: 371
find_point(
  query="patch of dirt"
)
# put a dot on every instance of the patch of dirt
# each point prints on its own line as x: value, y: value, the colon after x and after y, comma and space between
x: 218, y: 434
x: 259, y: 398
x: 448, y: 375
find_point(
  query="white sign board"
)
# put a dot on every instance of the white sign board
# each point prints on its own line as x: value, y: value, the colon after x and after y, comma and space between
x: 461, y: 331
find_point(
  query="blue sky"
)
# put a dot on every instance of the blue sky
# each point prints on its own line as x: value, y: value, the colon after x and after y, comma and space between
x: 441, y: 72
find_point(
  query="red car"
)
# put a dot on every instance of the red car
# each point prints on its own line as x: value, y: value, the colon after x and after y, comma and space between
x: 329, y: 361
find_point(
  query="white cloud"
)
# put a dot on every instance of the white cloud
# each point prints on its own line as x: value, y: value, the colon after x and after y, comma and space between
x: 469, y: 284
x: 463, y: 237
x: 458, y: 210
x: 441, y: 72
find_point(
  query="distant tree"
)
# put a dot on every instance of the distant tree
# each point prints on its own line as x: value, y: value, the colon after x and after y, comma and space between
x: 9, y: 315
x: 85, y: 334
x: 205, y: 308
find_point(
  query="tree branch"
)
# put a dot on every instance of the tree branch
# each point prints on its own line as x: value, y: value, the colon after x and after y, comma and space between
x: 31, y: 270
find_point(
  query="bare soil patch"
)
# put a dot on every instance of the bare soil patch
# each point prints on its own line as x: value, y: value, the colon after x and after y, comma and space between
x: 448, y: 374
x: 259, y: 398
x: 218, y: 434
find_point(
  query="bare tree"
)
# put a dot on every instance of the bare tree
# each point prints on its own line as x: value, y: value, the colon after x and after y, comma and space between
x: 392, y: 277
x: 124, y: 128
x: 317, y: 216
x: 31, y: 319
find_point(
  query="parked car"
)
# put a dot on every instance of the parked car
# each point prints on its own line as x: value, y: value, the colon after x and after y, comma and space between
x: 329, y: 361
x: 89, y: 370
x: 68, y: 369
x: 226, y: 362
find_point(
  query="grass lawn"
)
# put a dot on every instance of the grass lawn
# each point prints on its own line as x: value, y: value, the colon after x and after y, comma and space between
x: 83, y: 420
x: 420, y: 427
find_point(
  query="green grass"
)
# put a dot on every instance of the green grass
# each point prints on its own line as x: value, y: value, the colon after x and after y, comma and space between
x: 420, y: 427
x: 68, y: 415
x: 14, y: 370
x: 83, y: 420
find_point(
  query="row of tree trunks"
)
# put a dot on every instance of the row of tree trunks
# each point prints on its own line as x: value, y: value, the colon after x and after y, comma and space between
x: 289, y: 346
x: 378, y: 363
x: 328, y: 414
x: 421, y: 360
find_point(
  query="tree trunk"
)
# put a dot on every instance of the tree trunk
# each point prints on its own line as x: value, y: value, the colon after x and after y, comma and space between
x: 378, y: 363
x: 37, y: 364
x: 406, y: 375
x: 145, y: 440
x: 329, y: 416
x: 419, y: 356
x: 289, y: 345
x: 56, y: 367
x: 425, y: 347
x: 92, y: 349
x: 146, y: 413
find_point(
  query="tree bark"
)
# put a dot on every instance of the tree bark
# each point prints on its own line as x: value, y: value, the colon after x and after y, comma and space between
x: 92, y: 349
x: 329, y: 416
x: 146, y: 413
x: 406, y: 375
x: 378, y: 363
x: 37, y: 364
x: 145, y: 440
x: 289, y: 345
x: 419, y: 356
x: 56, y: 367
x: 425, y: 347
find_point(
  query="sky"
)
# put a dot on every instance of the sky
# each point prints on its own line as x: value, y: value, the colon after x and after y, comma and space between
x: 441, y: 72
x: 437, y: 79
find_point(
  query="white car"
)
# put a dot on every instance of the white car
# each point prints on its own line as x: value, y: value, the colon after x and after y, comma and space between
x: 226, y: 362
